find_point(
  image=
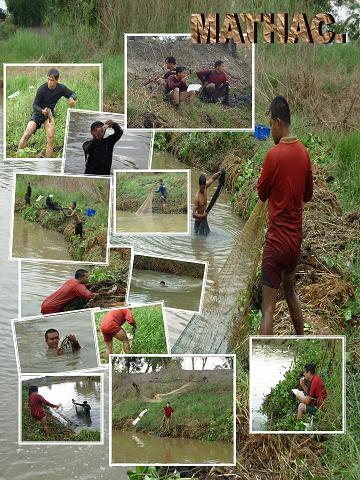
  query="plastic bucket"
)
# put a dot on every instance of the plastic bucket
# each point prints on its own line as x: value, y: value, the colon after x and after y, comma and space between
x: 262, y: 132
x: 90, y: 212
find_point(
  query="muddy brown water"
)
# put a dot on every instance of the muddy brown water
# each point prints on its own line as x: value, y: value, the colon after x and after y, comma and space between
x: 132, y: 151
x: 31, y: 240
x: 128, y: 222
x: 181, y: 291
x: 33, y: 462
x: 269, y: 363
x: 34, y: 355
x: 225, y: 228
x: 129, y: 447
x: 79, y: 390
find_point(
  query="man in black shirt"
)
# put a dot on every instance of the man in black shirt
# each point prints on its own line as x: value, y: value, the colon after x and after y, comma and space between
x: 99, y: 150
x: 47, y: 96
x: 28, y: 194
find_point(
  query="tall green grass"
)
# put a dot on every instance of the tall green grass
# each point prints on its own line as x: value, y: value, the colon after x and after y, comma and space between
x: 85, y: 82
x: 149, y: 336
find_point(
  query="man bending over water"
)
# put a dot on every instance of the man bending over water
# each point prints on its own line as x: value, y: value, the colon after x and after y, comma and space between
x: 200, y: 201
x: 47, y: 97
x: 72, y: 295
x: 99, y: 150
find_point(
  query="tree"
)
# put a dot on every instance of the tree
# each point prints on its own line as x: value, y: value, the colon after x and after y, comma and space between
x: 27, y: 14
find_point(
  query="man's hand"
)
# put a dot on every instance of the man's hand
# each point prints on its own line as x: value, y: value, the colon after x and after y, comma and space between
x: 71, y: 102
x: 109, y: 123
x: 72, y: 338
x: 302, y: 383
x: 204, y: 215
x: 58, y: 406
x: 45, y: 111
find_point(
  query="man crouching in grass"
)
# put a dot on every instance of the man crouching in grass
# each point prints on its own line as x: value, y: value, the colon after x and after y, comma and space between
x: 176, y: 87
x: 47, y: 96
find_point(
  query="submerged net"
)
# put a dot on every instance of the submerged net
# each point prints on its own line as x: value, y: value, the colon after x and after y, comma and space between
x: 146, y: 207
x: 213, y: 330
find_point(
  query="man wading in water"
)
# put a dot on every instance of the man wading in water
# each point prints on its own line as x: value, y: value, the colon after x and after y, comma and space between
x: 168, y: 411
x: 99, y: 150
x: 46, y: 98
x: 201, y: 208
x: 286, y: 181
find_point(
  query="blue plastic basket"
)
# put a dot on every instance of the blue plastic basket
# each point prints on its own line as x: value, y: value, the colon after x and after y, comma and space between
x: 90, y: 212
x: 262, y: 132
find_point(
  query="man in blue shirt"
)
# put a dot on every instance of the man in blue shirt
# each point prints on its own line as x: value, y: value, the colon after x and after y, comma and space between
x: 163, y: 193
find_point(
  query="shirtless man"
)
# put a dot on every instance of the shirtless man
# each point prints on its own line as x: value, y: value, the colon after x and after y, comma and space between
x: 76, y: 219
x: 200, y: 201
x: 52, y: 339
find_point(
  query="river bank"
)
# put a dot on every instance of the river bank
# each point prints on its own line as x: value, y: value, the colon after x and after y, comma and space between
x: 91, y: 248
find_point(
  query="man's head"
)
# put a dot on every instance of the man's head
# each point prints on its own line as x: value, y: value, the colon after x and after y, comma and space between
x: 168, y: 404
x: 162, y: 283
x: 53, y: 78
x: 161, y: 181
x: 309, y: 371
x: 170, y: 63
x: 82, y: 275
x: 180, y: 72
x: 219, y: 66
x: 202, y: 183
x: 279, y: 118
x: 85, y: 402
x: 52, y: 338
x: 33, y: 389
x: 96, y: 130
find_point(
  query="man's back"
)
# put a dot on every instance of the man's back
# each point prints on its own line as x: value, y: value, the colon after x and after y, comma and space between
x: 286, y: 181
x: 65, y: 294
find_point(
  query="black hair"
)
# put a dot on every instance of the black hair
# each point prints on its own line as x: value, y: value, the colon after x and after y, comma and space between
x: 170, y: 60
x: 160, y: 180
x: 202, y: 179
x: 310, y: 367
x: 80, y: 273
x: 54, y: 72
x: 162, y: 281
x: 180, y: 69
x: 33, y: 389
x: 218, y: 63
x: 96, y: 124
x: 168, y: 402
x: 279, y: 108
x: 74, y: 203
x: 85, y: 402
x: 50, y: 330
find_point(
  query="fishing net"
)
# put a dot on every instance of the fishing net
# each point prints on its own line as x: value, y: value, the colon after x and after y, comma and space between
x: 146, y: 207
x: 213, y: 330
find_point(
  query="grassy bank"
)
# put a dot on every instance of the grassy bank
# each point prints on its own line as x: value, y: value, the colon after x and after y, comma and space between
x: 281, y: 407
x: 88, y: 193
x: 132, y: 189
x: 149, y: 336
x: 204, y: 413
x: 32, y: 430
x: 26, y: 80
x: 142, y: 262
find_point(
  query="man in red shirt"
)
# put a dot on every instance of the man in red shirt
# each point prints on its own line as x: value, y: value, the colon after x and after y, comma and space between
x: 36, y: 403
x: 168, y: 411
x: 111, y: 326
x: 70, y: 296
x: 286, y: 181
x: 176, y: 87
x: 215, y: 82
x: 315, y: 394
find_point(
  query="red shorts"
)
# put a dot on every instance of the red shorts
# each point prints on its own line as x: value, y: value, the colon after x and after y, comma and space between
x: 109, y: 332
x: 274, y: 263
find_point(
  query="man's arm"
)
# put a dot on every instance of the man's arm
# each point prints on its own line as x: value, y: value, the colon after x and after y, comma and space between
x: 84, y: 292
x: 212, y: 179
x: 264, y: 182
x: 75, y: 344
x: 118, y: 132
x: 173, y: 82
x: 45, y: 402
x: 203, y: 74
x: 309, y: 185
x: 70, y: 95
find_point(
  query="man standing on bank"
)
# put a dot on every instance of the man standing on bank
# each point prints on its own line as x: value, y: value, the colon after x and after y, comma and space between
x: 47, y: 97
x: 286, y: 181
